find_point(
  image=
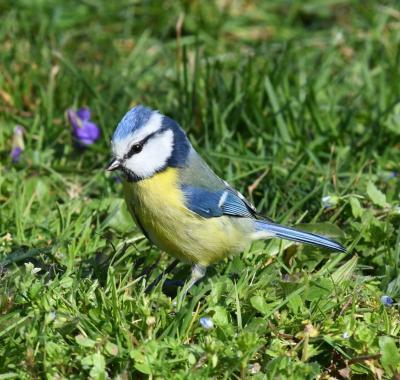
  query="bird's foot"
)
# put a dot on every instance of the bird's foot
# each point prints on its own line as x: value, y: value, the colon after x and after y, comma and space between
x: 198, y: 272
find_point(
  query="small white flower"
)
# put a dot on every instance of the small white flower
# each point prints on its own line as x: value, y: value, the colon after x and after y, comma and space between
x: 206, y: 323
x: 254, y: 368
x: 346, y: 335
x: 338, y: 37
x: 386, y: 300
x: 329, y: 201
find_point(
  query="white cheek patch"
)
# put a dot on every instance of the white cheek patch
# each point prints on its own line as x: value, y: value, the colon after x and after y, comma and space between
x: 153, y: 157
x: 120, y: 147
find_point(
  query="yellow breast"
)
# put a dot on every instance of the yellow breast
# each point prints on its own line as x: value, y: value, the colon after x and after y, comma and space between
x: 157, y: 204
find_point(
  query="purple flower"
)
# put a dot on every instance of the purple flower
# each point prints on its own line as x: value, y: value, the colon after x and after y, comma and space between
x: 83, y: 130
x: 16, y: 154
x: 387, y: 301
x: 206, y: 323
x: 17, y: 144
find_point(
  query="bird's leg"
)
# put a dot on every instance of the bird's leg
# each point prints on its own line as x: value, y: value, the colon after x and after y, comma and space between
x: 169, y: 268
x: 198, y: 272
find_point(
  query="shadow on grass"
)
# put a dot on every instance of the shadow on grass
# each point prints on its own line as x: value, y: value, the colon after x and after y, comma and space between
x: 97, y: 267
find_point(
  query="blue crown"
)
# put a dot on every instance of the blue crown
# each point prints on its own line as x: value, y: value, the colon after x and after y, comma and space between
x: 133, y: 120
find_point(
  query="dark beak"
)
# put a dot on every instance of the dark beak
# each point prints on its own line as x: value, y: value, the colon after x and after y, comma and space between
x: 113, y: 165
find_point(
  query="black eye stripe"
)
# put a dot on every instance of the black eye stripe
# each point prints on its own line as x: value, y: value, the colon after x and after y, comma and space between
x: 134, y: 149
x: 137, y: 147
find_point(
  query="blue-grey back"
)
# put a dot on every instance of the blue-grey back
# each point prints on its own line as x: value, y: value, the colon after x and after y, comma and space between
x: 197, y: 173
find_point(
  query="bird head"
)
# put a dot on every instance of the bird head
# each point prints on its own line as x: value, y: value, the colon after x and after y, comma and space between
x: 145, y: 143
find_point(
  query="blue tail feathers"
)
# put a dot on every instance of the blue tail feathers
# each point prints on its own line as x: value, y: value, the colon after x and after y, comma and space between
x: 275, y: 230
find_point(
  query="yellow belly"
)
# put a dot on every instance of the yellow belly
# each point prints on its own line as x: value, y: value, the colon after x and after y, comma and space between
x: 158, y: 206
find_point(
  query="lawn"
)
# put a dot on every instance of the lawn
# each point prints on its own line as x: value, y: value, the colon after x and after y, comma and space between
x: 295, y: 103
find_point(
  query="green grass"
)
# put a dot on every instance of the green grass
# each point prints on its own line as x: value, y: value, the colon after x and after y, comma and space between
x: 288, y: 101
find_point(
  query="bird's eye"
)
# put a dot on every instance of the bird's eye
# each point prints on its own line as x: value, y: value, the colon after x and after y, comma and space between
x: 135, y: 149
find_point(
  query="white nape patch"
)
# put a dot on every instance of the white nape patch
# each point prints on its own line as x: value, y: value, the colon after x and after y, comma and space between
x: 121, y: 147
x: 153, y: 157
x: 223, y: 198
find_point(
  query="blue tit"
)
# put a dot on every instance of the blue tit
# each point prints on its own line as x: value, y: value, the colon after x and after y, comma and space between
x: 179, y: 203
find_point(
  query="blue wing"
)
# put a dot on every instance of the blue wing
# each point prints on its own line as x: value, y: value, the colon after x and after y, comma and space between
x: 209, y: 204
